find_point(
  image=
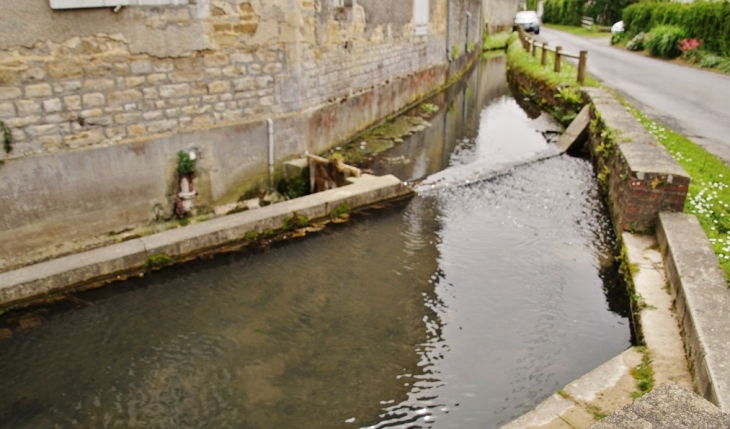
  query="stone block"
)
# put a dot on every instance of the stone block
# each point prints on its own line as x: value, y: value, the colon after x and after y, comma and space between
x: 66, y: 87
x: 177, y: 90
x: 157, y: 78
x: 136, y: 130
x: 294, y: 168
x: 65, y: 70
x: 7, y: 110
x: 127, y: 118
x: 186, y: 76
x: 38, y: 90
x: 117, y: 98
x: 9, y: 77
x: 41, y: 130
x: 94, y: 100
x: 28, y: 107
x: 52, y: 105
x: 10, y: 93
x: 245, y: 84
x: 141, y: 67
x: 161, y: 126
x: 83, y: 139
x: 33, y: 74
x: 219, y: 87
x: 216, y: 60
x: 135, y: 81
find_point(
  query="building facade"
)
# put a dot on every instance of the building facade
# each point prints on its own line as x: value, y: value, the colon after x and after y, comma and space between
x: 98, y: 96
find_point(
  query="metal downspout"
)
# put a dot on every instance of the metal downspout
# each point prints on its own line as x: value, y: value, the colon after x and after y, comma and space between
x: 271, y: 152
x: 448, y: 30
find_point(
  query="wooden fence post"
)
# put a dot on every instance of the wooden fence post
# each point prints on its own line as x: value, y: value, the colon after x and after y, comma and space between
x: 543, y: 59
x: 557, y: 58
x: 582, y: 66
x: 534, y: 47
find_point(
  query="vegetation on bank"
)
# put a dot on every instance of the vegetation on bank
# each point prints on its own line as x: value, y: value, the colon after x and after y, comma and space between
x: 497, y: 41
x: 571, y: 12
x: 696, y: 33
x: 708, y: 197
x: 578, y: 31
x: 520, y: 59
x: 709, y: 190
x: 708, y: 21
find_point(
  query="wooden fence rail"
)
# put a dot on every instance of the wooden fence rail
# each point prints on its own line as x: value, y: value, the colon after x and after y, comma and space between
x: 530, y: 45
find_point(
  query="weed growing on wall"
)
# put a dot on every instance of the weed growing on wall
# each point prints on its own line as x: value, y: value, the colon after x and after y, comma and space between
x: 185, y: 164
x: 708, y: 197
x: 6, y: 137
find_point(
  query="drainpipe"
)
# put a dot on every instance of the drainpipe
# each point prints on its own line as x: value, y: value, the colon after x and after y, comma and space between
x: 271, y: 152
x: 448, y: 30
x: 468, y: 30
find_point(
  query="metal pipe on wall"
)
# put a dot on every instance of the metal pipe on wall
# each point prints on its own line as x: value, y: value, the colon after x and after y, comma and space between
x: 448, y: 30
x: 270, y: 122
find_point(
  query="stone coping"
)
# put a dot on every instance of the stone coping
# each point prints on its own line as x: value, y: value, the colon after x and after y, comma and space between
x: 36, y: 282
x: 702, y: 299
x: 669, y: 406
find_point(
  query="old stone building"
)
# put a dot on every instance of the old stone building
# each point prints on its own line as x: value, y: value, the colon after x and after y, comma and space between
x: 98, y: 97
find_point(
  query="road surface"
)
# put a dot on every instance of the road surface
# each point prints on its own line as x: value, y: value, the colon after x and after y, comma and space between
x: 691, y: 101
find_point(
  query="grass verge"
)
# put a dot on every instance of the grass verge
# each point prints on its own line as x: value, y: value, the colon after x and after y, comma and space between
x: 523, y: 60
x: 579, y: 31
x: 708, y: 197
x: 497, y: 41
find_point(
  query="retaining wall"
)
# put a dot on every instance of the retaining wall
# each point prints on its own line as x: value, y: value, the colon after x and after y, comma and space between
x: 99, y: 103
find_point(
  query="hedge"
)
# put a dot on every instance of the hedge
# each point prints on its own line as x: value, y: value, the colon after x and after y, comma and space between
x: 564, y: 12
x: 706, y: 20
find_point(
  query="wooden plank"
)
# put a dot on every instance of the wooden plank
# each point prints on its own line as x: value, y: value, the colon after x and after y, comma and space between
x: 577, y: 130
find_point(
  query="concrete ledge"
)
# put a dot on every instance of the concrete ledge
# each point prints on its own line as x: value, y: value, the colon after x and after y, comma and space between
x: 667, y: 407
x: 702, y: 299
x: 607, y: 387
x: 640, y: 176
x: 36, y: 282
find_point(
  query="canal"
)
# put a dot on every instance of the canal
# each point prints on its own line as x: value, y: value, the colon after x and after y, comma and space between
x: 463, y: 307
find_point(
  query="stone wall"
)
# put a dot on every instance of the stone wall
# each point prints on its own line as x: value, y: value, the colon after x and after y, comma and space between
x: 98, y: 103
x: 639, y: 175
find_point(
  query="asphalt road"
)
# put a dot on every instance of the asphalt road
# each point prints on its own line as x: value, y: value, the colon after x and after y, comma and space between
x: 691, y: 101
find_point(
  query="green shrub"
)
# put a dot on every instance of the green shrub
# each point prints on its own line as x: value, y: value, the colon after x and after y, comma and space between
x: 618, y: 38
x: 710, y: 61
x: 564, y: 12
x: 724, y: 66
x: 636, y: 43
x: 663, y: 41
x: 706, y: 20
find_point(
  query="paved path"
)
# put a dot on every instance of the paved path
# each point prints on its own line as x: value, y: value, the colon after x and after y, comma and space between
x: 690, y: 101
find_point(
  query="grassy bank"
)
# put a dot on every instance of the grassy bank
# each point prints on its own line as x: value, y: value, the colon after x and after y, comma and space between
x: 497, y: 41
x: 708, y: 197
x: 521, y: 59
x: 579, y: 31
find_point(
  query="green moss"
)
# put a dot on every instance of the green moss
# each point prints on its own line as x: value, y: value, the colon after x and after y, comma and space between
x: 341, y: 212
x: 158, y: 261
x: 268, y: 232
x: 251, y: 236
x: 429, y: 108
x: 597, y: 412
x: 294, y: 221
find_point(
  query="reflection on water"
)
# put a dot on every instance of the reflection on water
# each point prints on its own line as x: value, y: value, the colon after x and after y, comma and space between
x: 463, y: 307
